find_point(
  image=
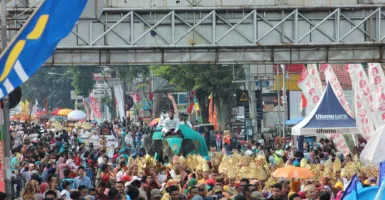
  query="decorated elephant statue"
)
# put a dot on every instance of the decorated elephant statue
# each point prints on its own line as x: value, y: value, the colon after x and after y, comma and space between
x: 164, y: 148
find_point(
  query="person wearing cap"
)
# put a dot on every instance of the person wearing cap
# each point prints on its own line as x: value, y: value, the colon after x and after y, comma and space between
x: 163, y: 117
x: 156, y: 194
x: 183, y: 119
x: 257, y: 196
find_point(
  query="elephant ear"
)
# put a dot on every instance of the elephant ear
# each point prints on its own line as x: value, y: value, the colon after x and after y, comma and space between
x: 175, y: 144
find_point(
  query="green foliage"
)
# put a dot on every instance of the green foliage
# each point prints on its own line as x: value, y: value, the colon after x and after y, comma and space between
x: 204, y: 79
x: 49, y: 83
x: 82, y: 79
x: 129, y: 73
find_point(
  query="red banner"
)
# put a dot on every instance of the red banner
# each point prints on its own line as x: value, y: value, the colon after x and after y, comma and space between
x: 95, y: 108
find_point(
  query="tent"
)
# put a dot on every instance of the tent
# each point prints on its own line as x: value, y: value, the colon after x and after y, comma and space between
x: 294, y: 121
x: 328, y: 117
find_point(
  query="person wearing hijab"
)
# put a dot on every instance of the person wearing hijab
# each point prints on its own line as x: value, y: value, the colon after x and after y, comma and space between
x: 31, y: 188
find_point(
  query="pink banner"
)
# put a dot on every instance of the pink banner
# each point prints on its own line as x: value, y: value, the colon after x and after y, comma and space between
x: 95, y: 108
x: 331, y: 77
x: 86, y: 107
x: 377, y: 82
x: 313, y: 70
x: 362, y: 95
x: 311, y: 92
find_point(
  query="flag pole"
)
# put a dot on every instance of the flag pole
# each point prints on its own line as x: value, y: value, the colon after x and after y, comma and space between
x: 6, y: 139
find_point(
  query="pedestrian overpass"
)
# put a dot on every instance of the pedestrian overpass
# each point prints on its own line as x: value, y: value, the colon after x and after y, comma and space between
x: 222, y: 35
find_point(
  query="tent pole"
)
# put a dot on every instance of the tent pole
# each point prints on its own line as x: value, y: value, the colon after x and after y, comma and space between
x: 284, y: 102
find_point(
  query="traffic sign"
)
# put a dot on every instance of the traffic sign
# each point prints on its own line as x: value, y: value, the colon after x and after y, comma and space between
x: 74, y: 96
x: 244, y: 97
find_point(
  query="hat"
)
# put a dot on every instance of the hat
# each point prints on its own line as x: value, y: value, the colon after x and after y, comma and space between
x: 257, y: 195
x: 125, y: 178
x: 156, y: 193
x: 217, y: 189
x: 35, y: 172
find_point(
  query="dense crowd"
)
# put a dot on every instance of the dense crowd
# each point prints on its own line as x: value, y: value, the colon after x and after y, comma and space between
x: 52, y: 164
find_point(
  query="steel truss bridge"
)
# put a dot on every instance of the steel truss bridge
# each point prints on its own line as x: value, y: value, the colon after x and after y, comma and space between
x: 203, y: 35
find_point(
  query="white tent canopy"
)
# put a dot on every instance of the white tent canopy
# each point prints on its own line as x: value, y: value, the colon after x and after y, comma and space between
x: 328, y: 117
x: 76, y: 115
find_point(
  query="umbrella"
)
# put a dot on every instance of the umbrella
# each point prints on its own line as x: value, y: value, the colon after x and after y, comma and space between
x: 154, y: 122
x: 56, y: 111
x: 64, y: 112
x: 58, y: 119
x: 42, y: 115
x: 292, y: 172
x: 76, y: 115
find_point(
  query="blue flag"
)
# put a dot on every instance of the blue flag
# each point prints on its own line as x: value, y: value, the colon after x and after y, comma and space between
x: 352, y: 187
x: 36, y: 41
x: 381, y: 176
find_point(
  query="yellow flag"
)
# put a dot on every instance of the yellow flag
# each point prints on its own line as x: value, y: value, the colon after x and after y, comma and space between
x: 22, y: 105
x: 26, y: 106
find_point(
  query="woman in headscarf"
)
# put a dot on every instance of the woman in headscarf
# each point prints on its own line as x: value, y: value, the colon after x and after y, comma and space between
x: 31, y: 188
x: 61, y: 167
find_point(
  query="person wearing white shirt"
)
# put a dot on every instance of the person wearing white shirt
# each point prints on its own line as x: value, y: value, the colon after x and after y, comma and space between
x: 183, y: 119
x: 171, y: 124
x: 163, y: 116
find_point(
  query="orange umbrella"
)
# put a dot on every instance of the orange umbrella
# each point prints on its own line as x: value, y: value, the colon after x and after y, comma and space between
x: 154, y: 122
x: 292, y: 172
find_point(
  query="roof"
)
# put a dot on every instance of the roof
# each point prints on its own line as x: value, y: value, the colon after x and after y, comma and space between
x: 342, y: 75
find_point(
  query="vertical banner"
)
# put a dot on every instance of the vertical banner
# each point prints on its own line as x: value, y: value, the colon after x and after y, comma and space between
x: 311, y: 92
x: 87, y: 110
x: 95, y: 108
x: 118, y: 89
x: 331, y: 77
x: 338, y: 139
x: 377, y: 82
x: 362, y: 100
x: 313, y: 70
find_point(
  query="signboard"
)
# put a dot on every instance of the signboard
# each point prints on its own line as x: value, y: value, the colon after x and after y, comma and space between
x: 243, y: 100
x: 98, y: 93
x: 74, y: 96
x: 101, y: 76
x: 265, y: 83
x: 102, y: 85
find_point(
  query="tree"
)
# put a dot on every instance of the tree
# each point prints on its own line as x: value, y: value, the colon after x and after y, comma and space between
x: 50, y: 83
x: 82, y: 79
x: 204, y: 80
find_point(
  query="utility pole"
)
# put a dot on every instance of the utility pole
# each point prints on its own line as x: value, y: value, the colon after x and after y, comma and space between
x: 284, y: 102
x: 252, y: 100
x: 278, y: 100
x: 6, y: 135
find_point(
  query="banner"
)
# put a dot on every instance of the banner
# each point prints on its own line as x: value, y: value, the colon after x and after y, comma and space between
x: 338, y: 139
x: 311, y: 92
x: 118, y: 89
x: 377, y: 82
x: 95, y: 108
x: 313, y: 70
x: 87, y: 110
x: 331, y: 77
x: 362, y: 96
x: 37, y: 40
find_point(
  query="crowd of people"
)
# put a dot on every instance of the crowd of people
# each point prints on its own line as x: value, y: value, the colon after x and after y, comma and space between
x: 50, y: 164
